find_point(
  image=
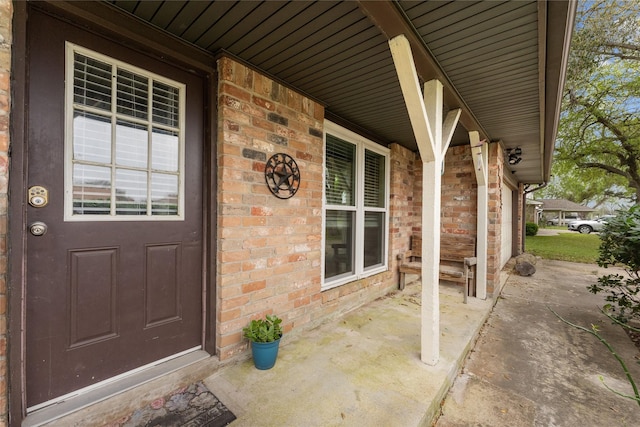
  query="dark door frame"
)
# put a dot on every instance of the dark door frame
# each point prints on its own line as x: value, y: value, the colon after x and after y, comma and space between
x: 118, y: 26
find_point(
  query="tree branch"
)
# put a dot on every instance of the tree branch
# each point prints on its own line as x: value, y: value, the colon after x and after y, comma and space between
x: 626, y: 46
x: 594, y: 331
x: 604, y: 167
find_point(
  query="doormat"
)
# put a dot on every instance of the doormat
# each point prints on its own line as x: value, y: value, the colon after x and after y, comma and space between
x: 191, y: 406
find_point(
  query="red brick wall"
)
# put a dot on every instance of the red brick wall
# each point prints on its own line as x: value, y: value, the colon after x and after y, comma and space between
x: 269, y: 249
x: 268, y: 258
x: 521, y: 218
x: 459, y: 193
x: 403, y: 216
x: 6, y: 12
x: 417, y: 195
x: 496, y: 170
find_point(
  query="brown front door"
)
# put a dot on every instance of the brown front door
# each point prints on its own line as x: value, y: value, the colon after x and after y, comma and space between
x: 115, y: 139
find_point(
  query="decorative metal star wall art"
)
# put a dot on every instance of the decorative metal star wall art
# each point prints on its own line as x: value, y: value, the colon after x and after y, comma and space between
x: 282, y: 175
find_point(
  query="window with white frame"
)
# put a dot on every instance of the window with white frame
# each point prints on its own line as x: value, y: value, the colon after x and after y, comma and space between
x: 124, y: 150
x: 356, y: 206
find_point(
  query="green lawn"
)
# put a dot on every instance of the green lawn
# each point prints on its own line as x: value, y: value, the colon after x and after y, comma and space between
x: 565, y: 247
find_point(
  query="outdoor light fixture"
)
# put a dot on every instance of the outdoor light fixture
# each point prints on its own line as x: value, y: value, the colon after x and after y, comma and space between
x: 513, y: 155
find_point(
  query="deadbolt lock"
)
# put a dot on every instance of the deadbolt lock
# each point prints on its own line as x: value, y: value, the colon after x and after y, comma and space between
x: 38, y: 228
x: 38, y: 196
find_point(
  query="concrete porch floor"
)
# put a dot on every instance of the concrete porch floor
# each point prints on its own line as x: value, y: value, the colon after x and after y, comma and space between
x: 361, y: 369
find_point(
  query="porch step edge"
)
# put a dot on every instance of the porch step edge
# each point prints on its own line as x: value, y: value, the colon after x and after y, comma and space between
x: 62, y: 409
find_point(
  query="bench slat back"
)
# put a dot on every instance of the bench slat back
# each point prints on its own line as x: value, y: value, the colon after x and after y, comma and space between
x: 416, y: 246
x: 453, y: 247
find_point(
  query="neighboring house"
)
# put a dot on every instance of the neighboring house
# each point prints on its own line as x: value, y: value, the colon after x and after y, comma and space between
x: 533, y: 210
x: 157, y: 145
x: 561, y: 211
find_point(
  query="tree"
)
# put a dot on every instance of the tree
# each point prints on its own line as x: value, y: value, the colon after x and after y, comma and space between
x: 599, y: 130
x: 584, y: 186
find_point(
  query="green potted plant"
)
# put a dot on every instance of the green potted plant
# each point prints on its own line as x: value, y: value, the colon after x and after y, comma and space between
x: 264, y: 335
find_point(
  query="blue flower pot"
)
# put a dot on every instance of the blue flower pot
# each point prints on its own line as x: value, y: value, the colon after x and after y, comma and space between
x: 265, y: 354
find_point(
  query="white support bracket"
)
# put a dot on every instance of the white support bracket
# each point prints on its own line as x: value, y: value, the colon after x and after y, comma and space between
x: 448, y: 128
x: 410, y: 85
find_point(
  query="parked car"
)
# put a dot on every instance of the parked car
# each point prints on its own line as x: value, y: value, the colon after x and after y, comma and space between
x: 562, y: 221
x: 586, y: 226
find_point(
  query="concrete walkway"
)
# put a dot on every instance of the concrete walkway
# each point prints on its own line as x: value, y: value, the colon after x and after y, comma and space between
x: 552, y: 231
x: 530, y: 369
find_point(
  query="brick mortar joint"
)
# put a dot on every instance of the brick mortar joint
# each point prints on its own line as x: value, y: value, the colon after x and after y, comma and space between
x: 290, y: 112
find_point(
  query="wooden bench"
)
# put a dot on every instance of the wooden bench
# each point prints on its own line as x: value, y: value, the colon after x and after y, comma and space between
x: 457, y: 260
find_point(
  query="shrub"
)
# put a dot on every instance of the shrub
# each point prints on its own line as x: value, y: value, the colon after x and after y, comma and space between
x: 531, y: 229
x: 620, y: 245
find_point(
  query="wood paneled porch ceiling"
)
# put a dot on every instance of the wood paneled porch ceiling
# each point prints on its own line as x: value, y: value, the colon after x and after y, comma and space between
x: 502, y: 61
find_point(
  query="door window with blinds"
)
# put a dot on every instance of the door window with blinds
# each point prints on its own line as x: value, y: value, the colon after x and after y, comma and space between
x: 356, y: 206
x: 124, y: 149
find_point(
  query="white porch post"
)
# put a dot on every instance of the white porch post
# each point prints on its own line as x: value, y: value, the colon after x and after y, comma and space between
x: 479, y: 152
x: 425, y: 113
x: 431, y: 192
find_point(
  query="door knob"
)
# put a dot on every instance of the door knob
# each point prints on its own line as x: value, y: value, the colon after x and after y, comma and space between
x: 38, y: 228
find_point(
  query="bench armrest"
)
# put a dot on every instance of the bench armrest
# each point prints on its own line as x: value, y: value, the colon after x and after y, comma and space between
x: 405, y: 256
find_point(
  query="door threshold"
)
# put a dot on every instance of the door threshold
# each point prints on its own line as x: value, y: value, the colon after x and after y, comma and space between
x: 91, y: 395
